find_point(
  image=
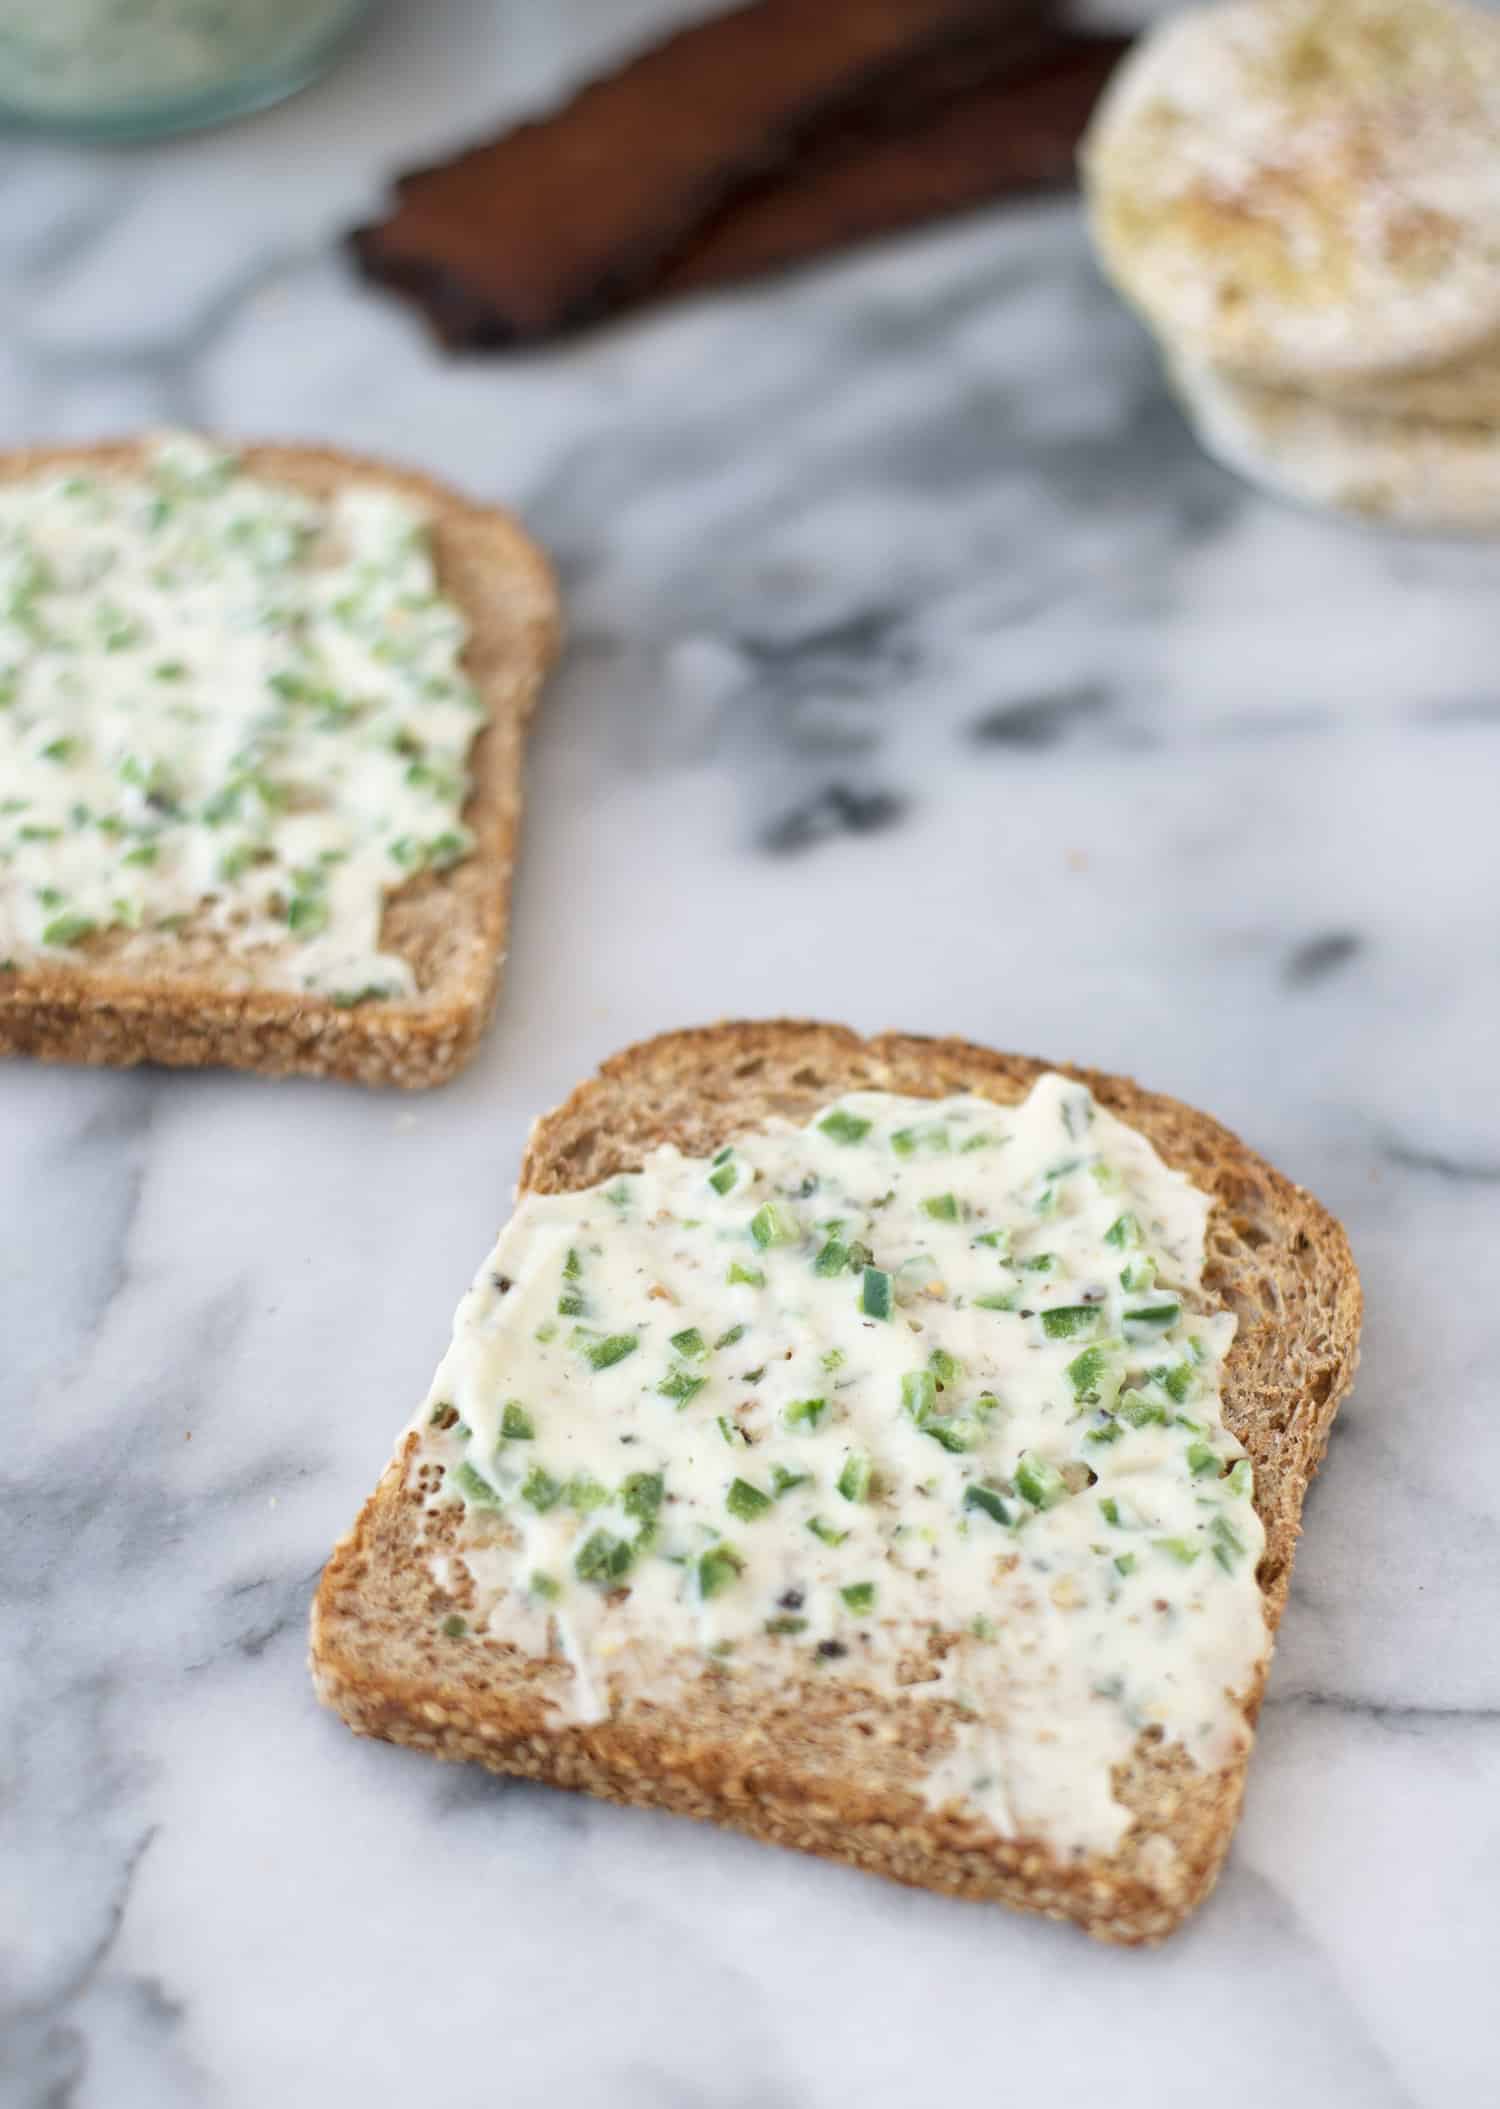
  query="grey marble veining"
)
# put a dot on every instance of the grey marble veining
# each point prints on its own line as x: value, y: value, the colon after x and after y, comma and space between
x: 921, y: 672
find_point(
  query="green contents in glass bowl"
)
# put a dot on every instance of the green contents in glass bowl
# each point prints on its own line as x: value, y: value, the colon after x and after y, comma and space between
x: 120, y: 69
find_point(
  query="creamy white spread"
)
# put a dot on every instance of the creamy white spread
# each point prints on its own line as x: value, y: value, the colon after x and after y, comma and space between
x: 227, y: 703
x: 72, y: 55
x: 924, y: 1396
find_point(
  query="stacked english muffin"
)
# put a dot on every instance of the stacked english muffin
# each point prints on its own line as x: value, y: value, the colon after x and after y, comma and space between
x: 1302, y: 197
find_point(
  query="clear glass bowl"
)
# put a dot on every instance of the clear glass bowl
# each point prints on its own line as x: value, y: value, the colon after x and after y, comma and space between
x: 140, y: 69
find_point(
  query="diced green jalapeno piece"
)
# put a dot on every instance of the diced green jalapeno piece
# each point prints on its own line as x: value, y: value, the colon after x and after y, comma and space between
x: 919, y: 1394
x: 783, y: 1480
x: 723, y: 1177
x: 1109, y: 1509
x: 1124, y: 1231
x: 932, y: 1137
x: 958, y: 1434
x: 746, y: 1501
x: 875, y: 1293
x: 1240, y: 1478
x: 736, y: 1332
x: 805, y: 1413
x: 943, y: 1208
x: 784, y: 1623
x: 1125, y: 1562
x: 1065, y: 1320
x: 1223, y: 1532
x: 585, y: 1493
x: 833, y: 1258
x: 1087, y: 1372
x: 68, y: 929
x: 1183, y: 1550
x: 544, y: 1586
x: 681, y: 1386
x: 613, y: 1348
x: 859, y: 1596
x: 1039, y: 1482
x: 855, y: 1480
x: 750, y: 1276
x: 572, y: 1266
x: 475, y: 1487
x: 307, y: 913
x: 603, y: 1558
x: 1108, y: 1431
x: 1152, y: 1318
x: 774, y: 1225
x: 539, y: 1490
x: 995, y: 1303
x: 945, y: 1367
x: 717, y: 1568
x: 840, y: 1126
x: 1140, y: 1411
x: 691, y: 1343
x: 1202, y: 1459
x: 988, y: 1501
x: 826, y: 1531
x: 641, y: 1495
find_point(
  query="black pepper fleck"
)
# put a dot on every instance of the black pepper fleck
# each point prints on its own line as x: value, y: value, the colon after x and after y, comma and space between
x: 831, y: 1649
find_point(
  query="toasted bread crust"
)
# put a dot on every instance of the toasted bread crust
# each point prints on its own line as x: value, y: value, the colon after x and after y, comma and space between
x: 826, y: 1766
x: 171, y: 1005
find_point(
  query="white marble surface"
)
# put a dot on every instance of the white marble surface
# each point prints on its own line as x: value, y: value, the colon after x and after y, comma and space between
x: 921, y: 673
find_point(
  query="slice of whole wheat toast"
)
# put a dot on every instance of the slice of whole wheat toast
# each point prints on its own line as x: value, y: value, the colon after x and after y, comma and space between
x: 803, y: 1767
x: 174, y: 999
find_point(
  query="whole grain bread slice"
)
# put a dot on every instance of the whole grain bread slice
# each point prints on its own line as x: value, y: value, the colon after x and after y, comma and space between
x: 177, y: 998
x: 803, y: 1766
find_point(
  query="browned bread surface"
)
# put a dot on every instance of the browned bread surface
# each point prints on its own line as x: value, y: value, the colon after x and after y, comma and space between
x: 179, y: 1000
x: 824, y: 1765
